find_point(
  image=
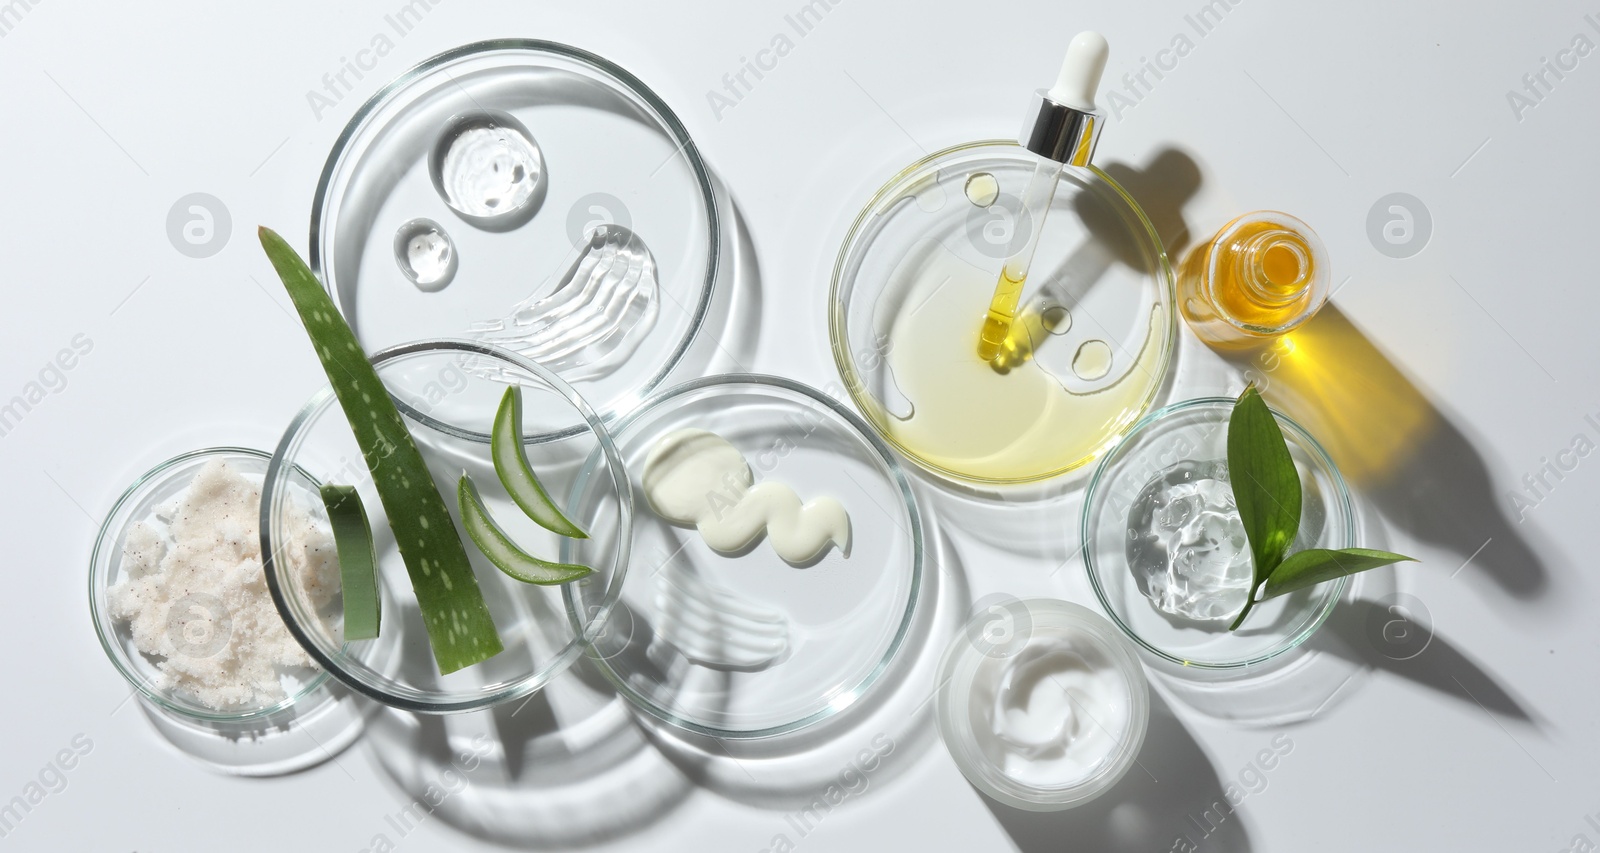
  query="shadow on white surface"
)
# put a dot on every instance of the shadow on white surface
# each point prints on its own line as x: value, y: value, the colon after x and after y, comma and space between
x: 566, y: 768
x: 1172, y: 799
x: 300, y: 737
x: 1396, y: 447
x: 1384, y: 635
x: 864, y: 746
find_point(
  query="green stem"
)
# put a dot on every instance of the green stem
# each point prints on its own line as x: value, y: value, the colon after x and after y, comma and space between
x: 1249, y: 602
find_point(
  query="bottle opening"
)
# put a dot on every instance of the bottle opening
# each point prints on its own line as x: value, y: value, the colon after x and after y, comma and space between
x: 1282, y: 266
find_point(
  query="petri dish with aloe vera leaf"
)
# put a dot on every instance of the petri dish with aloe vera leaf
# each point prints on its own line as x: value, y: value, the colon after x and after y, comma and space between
x: 1091, y: 343
x: 451, y: 384
x: 746, y: 643
x: 527, y: 195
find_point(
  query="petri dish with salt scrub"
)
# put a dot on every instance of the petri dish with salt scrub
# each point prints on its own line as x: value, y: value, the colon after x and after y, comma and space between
x: 722, y: 634
x: 168, y: 623
x: 1042, y: 704
x: 528, y: 195
x: 1089, y: 348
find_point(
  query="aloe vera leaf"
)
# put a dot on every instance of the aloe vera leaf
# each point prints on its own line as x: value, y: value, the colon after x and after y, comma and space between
x: 511, y: 465
x: 358, y: 561
x: 498, y: 547
x: 460, y: 629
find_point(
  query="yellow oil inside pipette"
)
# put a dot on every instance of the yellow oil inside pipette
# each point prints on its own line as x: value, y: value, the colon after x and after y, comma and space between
x: 1002, y: 312
x: 995, y: 336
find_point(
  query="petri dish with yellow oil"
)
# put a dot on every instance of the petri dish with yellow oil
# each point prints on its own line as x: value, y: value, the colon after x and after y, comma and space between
x: 1088, y: 350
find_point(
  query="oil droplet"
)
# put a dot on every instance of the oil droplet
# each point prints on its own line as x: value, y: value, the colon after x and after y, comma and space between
x: 1093, y: 360
x: 488, y: 169
x: 982, y: 189
x: 425, y: 254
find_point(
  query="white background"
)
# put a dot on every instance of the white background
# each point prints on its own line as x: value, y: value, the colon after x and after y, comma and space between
x: 115, y: 110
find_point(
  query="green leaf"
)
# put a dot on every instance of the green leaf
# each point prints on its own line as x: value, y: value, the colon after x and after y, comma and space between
x: 1315, y: 565
x: 498, y: 547
x: 1266, y: 486
x: 358, y: 561
x: 460, y: 629
x: 511, y: 466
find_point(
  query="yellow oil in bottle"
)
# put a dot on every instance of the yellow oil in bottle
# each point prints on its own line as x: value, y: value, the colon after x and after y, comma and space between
x: 1261, y: 276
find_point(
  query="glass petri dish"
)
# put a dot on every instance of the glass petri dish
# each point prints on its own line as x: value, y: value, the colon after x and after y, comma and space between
x: 398, y: 668
x: 1196, y: 431
x: 157, y: 487
x: 609, y: 193
x: 911, y: 287
x: 1042, y: 704
x: 746, y: 645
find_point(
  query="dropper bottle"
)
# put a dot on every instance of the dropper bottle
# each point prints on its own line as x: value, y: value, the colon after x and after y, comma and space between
x: 1062, y: 128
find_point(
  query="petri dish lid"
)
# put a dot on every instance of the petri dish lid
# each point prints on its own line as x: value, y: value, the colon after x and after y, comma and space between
x: 1042, y: 703
x: 746, y: 645
x: 528, y: 195
x: 922, y: 259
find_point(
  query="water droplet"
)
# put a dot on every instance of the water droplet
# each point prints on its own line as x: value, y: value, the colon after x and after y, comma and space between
x: 425, y: 254
x: 487, y: 167
x: 982, y: 189
x: 1093, y: 360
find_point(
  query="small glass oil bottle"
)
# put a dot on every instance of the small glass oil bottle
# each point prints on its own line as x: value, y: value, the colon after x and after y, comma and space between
x: 1262, y: 275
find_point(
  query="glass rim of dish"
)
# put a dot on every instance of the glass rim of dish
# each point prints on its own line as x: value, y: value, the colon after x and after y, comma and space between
x: 1344, y: 501
x: 408, y: 699
x: 669, y: 122
x: 898, y: 478
x: 958, y: 667
x: 105, y: 550
x: 838, y: 323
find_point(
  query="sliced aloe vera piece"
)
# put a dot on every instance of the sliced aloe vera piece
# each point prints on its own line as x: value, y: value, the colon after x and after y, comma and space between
x: 511, y: 464
x: 358, y: 561
x: 460, y: 629
x: 498, y: 547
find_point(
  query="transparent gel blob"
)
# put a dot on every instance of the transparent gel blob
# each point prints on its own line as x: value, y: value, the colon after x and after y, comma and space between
x: 597, y: 315
x: 488, y: 169
x: 1186, y: 544
x: 425, y: 254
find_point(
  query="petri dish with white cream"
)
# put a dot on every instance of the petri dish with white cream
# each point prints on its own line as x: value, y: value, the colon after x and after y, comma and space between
x: 1042, y: 703
x: 776, y: 558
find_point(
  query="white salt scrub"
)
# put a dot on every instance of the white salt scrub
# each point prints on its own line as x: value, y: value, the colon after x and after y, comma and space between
x: 194, y: 594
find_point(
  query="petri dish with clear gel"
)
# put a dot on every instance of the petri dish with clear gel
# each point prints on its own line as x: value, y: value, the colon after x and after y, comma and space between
x: 1042, y: 703
x: 1092, y: 338
x: 531, y: 196
x: 745, y: 643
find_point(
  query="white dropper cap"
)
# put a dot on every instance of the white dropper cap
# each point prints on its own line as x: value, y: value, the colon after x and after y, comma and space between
x: 1080, y: 71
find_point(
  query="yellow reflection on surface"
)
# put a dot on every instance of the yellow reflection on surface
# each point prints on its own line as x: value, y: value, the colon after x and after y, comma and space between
x: 1333, y: 380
